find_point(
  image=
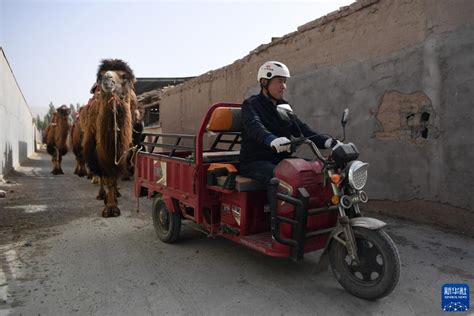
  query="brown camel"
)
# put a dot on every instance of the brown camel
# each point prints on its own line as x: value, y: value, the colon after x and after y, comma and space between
x: 77, y: 134
x: 56, y: 137
x: 108, y: 129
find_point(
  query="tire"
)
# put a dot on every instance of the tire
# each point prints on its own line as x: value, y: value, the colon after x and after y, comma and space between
x: 167, y: 224
x: 379, y: 269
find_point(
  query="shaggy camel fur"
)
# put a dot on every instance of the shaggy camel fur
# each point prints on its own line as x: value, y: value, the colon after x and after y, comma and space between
x: 56, y: 137
x: 108, y: 129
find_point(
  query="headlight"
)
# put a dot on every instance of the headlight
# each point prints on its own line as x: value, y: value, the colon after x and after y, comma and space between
x: 358, y: 174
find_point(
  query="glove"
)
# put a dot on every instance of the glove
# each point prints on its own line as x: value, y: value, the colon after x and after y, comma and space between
x: 277, y: 144
x: 332, y: 143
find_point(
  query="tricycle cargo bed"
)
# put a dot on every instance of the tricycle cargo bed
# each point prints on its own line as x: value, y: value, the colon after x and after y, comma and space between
x: 175, y: 165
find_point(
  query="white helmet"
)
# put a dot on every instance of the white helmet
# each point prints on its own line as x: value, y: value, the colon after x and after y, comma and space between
x: 272, y: 69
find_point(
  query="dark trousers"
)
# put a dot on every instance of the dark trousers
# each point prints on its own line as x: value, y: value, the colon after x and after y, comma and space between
x: 261, y: 170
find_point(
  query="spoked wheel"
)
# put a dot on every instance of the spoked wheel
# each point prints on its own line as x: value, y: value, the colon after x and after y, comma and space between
x: 167, y: 224
x: 377, y: 272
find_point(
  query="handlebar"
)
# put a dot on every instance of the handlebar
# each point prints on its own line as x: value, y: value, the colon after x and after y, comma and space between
x: 311, y: 144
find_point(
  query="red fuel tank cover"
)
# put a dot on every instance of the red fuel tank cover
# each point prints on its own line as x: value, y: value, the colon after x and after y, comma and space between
x: 298, y: 172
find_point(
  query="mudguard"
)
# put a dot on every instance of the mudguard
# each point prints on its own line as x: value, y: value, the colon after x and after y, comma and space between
x: 366, y: 222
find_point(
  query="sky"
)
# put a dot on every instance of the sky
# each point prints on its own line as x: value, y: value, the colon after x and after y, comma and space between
x: 54, y: 47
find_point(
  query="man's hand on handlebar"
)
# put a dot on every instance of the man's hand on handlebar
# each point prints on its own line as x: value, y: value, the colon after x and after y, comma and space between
x: 281, y: 144
x: 332, y: 143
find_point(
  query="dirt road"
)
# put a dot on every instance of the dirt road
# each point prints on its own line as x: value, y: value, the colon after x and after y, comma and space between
x: 59, y: 257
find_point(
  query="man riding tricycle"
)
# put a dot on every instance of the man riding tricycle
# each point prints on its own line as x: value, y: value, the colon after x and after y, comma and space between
x: 303, y: 205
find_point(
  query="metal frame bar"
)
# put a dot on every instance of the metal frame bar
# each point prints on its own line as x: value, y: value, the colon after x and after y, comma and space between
x: 299, y: 222
x: 218, y: 140
x: 176, y: 147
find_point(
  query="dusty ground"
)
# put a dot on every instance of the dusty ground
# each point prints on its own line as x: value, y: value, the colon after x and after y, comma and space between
x: 59, y: 257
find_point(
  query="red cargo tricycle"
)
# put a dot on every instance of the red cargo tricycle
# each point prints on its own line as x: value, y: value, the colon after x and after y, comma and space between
x: 312, y: 204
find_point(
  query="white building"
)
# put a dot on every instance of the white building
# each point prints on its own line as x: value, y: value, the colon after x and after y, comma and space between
x: 17, y: 130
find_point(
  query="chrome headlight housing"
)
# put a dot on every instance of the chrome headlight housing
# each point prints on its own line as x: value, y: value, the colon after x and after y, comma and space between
x: 357, y: 174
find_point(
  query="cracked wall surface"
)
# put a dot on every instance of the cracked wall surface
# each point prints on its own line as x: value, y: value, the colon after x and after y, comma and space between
x: 406, y: 117
x: 405, y: 69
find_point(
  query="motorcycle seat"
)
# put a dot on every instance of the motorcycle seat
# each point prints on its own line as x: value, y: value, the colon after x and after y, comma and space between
x: 243, y: 184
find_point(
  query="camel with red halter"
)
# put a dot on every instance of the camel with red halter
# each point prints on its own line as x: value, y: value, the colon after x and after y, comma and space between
x: 108, y: 129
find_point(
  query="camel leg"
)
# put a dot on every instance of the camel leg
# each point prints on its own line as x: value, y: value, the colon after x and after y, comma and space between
x: 81, y: 169
x: 111, y: 208
x: 53, y: 160
x: 52, y: 151
x: 101, y: 195
x: 105, y: 211
x: 55, y: 155
x: 60, y: 159
x: 76, y: 170
x: 128, y: 168
x: 116, y: 194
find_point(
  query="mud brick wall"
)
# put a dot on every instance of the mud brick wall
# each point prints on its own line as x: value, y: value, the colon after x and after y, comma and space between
x: 405, y: 69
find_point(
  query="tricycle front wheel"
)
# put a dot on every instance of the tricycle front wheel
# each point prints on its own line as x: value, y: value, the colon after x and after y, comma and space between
x: 377, y: 272
x: 167, y: 224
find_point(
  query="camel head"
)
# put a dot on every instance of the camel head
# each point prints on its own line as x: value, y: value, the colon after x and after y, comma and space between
x: 137, y: 116
x: 115, y: 77
x: 54, y: 118
x: 63, y: 110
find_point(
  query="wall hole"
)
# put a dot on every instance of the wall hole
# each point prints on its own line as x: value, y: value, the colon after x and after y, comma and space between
x: 425, y: 117
x: 424, y: 133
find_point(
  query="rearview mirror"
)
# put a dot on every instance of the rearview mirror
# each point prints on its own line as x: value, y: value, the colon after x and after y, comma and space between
x: 345, y: 117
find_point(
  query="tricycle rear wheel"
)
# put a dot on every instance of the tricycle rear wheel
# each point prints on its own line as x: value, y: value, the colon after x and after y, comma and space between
x: 167, y: 224
x: 377, y: 272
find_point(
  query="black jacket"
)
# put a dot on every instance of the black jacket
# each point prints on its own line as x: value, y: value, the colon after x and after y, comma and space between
x: 262, y: 122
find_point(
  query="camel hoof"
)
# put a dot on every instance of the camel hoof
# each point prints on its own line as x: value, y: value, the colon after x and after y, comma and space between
x: 105, y: 212
x: 110, y: 212
x: 115, y: 212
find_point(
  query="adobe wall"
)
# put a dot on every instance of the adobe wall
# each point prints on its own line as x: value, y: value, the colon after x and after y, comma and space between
x: 16, y: 144
x: 405, y: 69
